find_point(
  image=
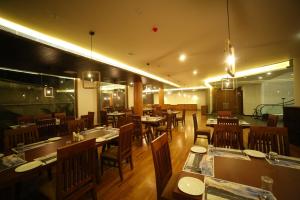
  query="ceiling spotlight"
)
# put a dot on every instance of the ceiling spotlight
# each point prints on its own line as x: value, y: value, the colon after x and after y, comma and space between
x: 260, y: 77
x: 182, y: 57
x: 195, y: 72
x: 269, y: 73
x: 131, y: 83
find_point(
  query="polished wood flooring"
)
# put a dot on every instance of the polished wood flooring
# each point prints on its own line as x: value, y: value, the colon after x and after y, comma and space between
x: 139, y: 183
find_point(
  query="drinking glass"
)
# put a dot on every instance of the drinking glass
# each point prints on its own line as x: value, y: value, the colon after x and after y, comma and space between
x: 20, y: 150
x: 266, y: 185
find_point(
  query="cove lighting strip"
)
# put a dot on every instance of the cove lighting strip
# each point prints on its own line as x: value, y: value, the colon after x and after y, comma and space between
x: 69, y: 47
x: 35, y: 73
x: 178, y: 89
x: 250, y: 72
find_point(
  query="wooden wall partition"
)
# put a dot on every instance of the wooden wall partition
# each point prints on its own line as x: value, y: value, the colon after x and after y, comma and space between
x: 231, y: 100
x: 138, y: 97
x: 161, y: 96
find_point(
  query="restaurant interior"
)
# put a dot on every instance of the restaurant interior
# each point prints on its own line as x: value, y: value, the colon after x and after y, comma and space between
x: 135, y: 99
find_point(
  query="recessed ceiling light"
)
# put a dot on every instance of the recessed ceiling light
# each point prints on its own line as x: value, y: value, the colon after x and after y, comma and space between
x: 131, y: 83
x: 269, y: 73
x: 182, y: 57
x: 195, y: 72
x: 260, y: 77
x: 292, y: 74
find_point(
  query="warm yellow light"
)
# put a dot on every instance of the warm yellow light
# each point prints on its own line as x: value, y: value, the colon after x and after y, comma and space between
x: 69, y: 47
x: 89, y: 75
x: 249, y: 72
x: 182, y: 57
x: 230, y: 60
x: 181, y: 89
x: 195, y: 72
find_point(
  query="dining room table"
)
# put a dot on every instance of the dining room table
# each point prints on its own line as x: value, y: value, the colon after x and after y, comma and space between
x: 115, y: 116
x: 243, y: 175
x: 173, y: 113
x: 45, y: 151
x: 150, y: 124
x: 211, y: 122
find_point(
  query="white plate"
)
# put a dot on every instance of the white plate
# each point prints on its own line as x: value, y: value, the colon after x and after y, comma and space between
x: 99, y: 127
x: 254, y: 153
x: 54, y: 139
x: 191, y: 186
x: 28, y: 166
x: 198, y: 149
x: 1, y: 155
x: 100, y: 139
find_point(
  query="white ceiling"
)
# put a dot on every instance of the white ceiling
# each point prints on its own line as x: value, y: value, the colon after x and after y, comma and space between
x: 262, y: 31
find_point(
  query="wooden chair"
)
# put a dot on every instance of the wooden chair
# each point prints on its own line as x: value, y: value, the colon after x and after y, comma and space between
x: 228, y: 136
x: 61, y: 116
x: 266, y: 139
x: 272, y: 120
x: 224, y: 113
x: 75, y: 172
x: 200, y: 132
x: 162, y: 162
x: 121, y: 152
x: 46, y: 128
x: 26, y: 135
x: 75, y: 126
x: 181, y: 119
x: 228, y: 121
x: 24, y: 119
x: 138, y: 131
x: 104, y: 118
x: 166, y: 128
x: 88, y: 121
x: 123, y: 121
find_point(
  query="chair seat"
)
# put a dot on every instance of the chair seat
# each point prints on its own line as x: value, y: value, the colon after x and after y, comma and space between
x: 203, y: 130
x: 111, y: 153
x: 161, y: 128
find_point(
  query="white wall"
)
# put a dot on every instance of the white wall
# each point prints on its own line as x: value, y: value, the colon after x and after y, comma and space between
x: 274, y: 91
x: 251, y: 97
x: 197, y: 97
x: 87, y: 101
x: 130, y: 96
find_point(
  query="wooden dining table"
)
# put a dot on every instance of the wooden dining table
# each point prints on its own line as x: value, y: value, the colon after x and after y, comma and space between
x: 285, y: 186
x: 211, y: 122
x: 9, y: 176
x: 115, y: 116
x: 151, y: 123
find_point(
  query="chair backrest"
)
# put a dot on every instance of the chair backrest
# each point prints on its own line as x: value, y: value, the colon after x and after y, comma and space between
x: 103, y: 117
x: 88, y: 121
x: 75, y: 169
x: 125, y: 140
x: 46, y: 127
x: 195, y: 122
x: 25, y: 119
x: 228, y: 136
x: 43, y: 116
x: 162, y: 162
x: 75, y: 125
x: 137, y: 122
x: 266, y: 139
x: 24, y: 135
x: 272, y: 120
x: 228, y: 121
x: 61, y: 116
x: 224, y: 113
x: 169, y: 118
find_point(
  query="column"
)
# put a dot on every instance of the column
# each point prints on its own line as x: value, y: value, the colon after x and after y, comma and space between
x: 161, y: 95
x: 296, y: 68
x: 138, y: 97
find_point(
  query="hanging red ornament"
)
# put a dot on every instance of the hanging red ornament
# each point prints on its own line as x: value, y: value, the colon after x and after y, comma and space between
x: 154, y: 29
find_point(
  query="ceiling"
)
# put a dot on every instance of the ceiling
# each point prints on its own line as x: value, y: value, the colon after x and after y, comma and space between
x: 262, y: 32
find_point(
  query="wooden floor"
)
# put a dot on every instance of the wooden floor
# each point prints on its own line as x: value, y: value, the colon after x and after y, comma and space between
x: 139, y: 183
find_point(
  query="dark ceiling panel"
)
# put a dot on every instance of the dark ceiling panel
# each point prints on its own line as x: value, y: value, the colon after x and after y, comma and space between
x: 23, y: 54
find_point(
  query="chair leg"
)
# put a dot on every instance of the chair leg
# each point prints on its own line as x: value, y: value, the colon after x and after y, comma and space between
x: 101, y: 166
x: 131, y: 163
x: 120, y: 170
x: 208, y: 138
x: 195, y: 137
